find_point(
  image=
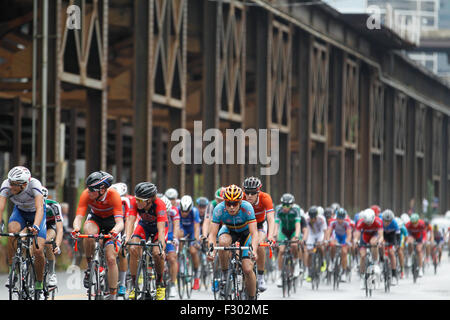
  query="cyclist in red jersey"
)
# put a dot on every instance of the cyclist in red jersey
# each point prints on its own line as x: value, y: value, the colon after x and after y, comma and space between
x: 416, y: 232
x: 263, y: 206
x: 105, y: 216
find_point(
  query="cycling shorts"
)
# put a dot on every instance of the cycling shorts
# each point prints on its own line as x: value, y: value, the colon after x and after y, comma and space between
x: 25, y: 218
x: 244, y: 238
x: 341, y: 239
x: 285, y: 234
x: 169, y: 246
x: 104, y: 225
x: 146, y: 232
x: 313, y: 238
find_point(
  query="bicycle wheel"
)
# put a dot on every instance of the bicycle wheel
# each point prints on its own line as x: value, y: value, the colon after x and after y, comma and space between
x: 415, y: 268
x: 181, y: 275
x: 216, y: 279
x: 206, y: 273
x: 230, y: 288
x: 284, y: 278
x: 151, y: 283
x: 94, y: 282
x: 387, y: 275
x: 336, y: 274
x: 141, y: 284
x: 188, y: 278
x: 15, y: 281
x: 29, y: 276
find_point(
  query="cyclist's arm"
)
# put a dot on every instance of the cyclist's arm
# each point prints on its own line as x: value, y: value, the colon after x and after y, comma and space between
x: 380, y: 235
x: 129, y: 226
x: 81, y: 210
x: 252, y: 227
x: 119, y: 225
x: 213, y: 230
x: 297, y: 229
x: 2, y: 207
x: 349, y: 234
x: 271, y: 224
x: 176, y: 229
x: 39, y: 203
x: 327, y: 234
x: 59, y: 233
x: 197, y: 231
x: 205, y: 226
x: 161, y: 225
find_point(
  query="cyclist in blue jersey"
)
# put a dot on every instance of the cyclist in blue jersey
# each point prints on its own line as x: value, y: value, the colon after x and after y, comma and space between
x: 190, y: 228
x: 239, y: 224
x: 390, y: 231
x: 401, y: 244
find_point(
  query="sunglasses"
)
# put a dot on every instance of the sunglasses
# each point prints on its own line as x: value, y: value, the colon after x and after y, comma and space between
x: 92, y: 189
x: 251, y: 193
x: 16, y: 184
x: 287, y: 205
x: 140, y: 200
x: 232, y: 203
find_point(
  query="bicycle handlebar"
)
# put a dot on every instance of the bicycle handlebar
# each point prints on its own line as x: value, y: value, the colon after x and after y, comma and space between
x: 142, y: 243
x: 21, y: 235
x: 97, y: 237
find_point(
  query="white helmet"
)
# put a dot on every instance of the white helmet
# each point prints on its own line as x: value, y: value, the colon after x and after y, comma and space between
x: 388, y: 215
x: 320, y: 211
x: 171, y: 193
x: 405, y: 218
x: 369, y: 216
x: 186, y: 203
x: 447, y: 215
x: 121, y: 188
x: 19, y: 174
x: 362, y: 214
x: 166, y: 202
x: 44, y: 193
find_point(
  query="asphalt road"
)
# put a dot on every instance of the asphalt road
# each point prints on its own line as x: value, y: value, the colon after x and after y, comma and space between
x: 429, y: 287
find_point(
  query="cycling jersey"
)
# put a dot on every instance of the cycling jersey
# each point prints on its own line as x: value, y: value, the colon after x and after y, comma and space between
x: 53, y: 212
x: 25, y: 199
x: 187, y: 223
x: 369, y: 231
x: 316, y: 231
x: 418, y: 232
x: 109, y: 205
x: 438, y: 237
x: 236, y: 225
x: 391, y: 233
x: 173, y: 215
x: 263, y: 206
x: 128, y: 205
x: 340, y: 229
x: 147, y: 225
x: 287, y: 220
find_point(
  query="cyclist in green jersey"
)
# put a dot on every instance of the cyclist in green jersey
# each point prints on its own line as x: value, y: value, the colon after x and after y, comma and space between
x: 55, y: 230
x: 288, y: 224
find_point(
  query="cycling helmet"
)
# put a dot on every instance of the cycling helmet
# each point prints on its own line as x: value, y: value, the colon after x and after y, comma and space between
x: 328, y: 212
x: 99, y: 178
x: 369, y: 216
x: 233, y: 193
x: 186, y: 203
x: 171, y: 193
x: 341, y: 213
x: 376, y: 209
x: 388, y: 215
x: 166, y: 202
x: 320, y: 211
x: 405, y: 218
x: 427, y: 222
x: 219, y: 193
x: 335, y: 206
x: 414, y: 218
x: 287, y: 198
x: 19, y: 174
x: 252, y: 184
x: 313, y: 212
x: 447, y: 215
x: 44, y: 193
x: 121, y: 188
x: 202, y: 201
x: 361, y: 215
x: 145, y: 190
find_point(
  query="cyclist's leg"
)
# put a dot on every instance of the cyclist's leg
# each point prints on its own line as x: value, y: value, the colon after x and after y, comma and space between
x: 159, y: 259
x: 172, y: 259
x: 15, y: 224
x: 113, y: 269
x: 260, y: 263
x: 195, y: 256
x: 247, y: 267
x: 225, y: 240
x: 51, y: 234
x: 90, y: 227
x: 281, y: 238
x: 136, y: 251
x: 39, y: 258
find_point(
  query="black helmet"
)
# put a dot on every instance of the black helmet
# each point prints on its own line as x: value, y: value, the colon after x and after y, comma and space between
x: 252, y: 184
x: 312, y: 212
x: 341, y: 213
x: 145, y: 190
x: 99, y: 178
x: 287, y: 198
x: 328, y: 213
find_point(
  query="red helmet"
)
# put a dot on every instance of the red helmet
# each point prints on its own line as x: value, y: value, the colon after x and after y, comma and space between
x: 376, y: 209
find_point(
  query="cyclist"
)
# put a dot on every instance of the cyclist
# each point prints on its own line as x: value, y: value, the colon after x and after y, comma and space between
x: 416, y: 231
x: 438, y: 237
x: 202, y: 205
x: 55, y: 230
x: 314, y: 233
x: 128, y: 204
x: 371, y: 229
x: 153, y: 224
x: 329, y: 215
x: 172, y: 195
x: 263, y: 207
x: 289, y: 225
x: 173, y: 235
x: 239, y: 224
x: 429, y: 240
x: 105, y: 216
x: 190, y: 228
x: 29, y: 209
x: 339, y: 231
x: 376, y: 209
x: 391, y: 231
x: 401, y: 245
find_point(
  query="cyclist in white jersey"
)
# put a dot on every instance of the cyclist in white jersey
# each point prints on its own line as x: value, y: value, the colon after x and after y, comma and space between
x: 29, y: 210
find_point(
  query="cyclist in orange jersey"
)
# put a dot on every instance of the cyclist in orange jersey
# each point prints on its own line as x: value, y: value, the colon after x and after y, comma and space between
x: 263, y: 207
x: 105, y: 216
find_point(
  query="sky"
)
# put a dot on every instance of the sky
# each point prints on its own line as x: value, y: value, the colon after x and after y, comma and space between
x: 348, y: 6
